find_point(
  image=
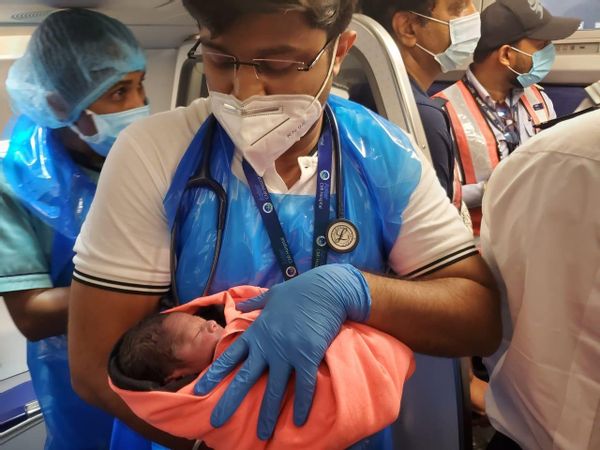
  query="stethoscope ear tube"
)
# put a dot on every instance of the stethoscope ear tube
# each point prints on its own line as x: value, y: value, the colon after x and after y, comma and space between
x: 202, y: 179
x: 339, y: 176
x: 218, y: 190
x: 173, y: 260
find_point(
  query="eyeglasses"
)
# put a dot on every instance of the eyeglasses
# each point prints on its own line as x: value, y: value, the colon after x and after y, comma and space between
x: 264, y: 68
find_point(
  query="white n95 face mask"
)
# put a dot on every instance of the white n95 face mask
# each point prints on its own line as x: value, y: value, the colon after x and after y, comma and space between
x: 465, y: 33
x: 264, y: 127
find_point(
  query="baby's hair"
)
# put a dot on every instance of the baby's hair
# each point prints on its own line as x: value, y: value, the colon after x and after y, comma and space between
x: 147, y: 351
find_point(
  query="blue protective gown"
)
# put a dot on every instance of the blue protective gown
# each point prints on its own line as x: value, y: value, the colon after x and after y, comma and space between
x: 56, y: 191
x: 380, y: 171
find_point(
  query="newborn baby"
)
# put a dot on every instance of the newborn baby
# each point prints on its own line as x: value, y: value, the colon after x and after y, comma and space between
x: 166, y: 347
x: 156, y: 364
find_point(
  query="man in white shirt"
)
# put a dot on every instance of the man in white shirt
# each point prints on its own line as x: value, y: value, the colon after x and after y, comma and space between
x: 494, y: 108
x: 540, y: 235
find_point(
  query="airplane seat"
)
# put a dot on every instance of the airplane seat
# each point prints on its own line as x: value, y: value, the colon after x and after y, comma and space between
x: 565, y: 99
x: 592, y: 98
x: 374, y: 75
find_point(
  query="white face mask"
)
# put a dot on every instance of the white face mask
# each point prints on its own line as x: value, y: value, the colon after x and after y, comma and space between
x: 465, y: 33
x: 264, y: 127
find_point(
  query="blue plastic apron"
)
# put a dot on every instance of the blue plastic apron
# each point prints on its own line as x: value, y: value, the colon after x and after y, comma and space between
x: 57, y: 191
x: 381, y: 171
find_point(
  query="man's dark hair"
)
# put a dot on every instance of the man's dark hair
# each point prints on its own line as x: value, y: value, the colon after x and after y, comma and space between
x: 383, y: 10
x: 481, y: 54
x: 146, y: 351
x: 333, y: 16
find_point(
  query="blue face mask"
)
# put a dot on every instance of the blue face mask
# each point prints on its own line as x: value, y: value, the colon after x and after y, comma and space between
x: 109, y: 126
x: 543, y: 61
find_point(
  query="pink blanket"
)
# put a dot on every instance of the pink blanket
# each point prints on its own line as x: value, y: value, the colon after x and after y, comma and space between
x: 359, y: 388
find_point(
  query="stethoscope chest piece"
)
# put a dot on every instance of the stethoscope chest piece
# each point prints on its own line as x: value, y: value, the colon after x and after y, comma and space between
x: 342, y: 236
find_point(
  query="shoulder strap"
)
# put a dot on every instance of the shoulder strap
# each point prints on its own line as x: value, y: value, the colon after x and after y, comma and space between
x: 551, y: 123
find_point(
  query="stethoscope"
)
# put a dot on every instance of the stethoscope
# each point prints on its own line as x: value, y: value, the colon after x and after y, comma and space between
x: 341, y: 236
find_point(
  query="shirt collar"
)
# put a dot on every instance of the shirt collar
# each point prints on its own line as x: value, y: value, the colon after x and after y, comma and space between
x: 516, y: 93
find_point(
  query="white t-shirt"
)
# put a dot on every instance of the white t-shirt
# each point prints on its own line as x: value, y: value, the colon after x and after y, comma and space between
x: 125, y: 241
x: 541, y: 237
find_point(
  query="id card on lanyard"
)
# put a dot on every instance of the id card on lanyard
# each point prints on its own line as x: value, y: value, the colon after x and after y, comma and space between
x: 270, y: 218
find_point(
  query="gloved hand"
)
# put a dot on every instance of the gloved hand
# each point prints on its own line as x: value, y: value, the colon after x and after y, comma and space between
x: 299, y: 320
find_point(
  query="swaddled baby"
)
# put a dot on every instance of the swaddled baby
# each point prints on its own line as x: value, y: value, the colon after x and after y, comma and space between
x: 156, y: 364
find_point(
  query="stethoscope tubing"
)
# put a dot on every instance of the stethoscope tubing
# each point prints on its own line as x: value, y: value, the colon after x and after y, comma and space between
x: 203, y: 179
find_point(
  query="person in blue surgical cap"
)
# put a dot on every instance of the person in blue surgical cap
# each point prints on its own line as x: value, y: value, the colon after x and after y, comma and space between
x: 79, y: 83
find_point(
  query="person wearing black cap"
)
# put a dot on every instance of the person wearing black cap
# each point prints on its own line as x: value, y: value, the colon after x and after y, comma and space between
x: 434, y: 36
x: 496, y: 104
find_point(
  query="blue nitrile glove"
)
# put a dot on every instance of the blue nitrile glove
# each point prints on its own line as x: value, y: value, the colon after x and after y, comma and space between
x: 299, y: 320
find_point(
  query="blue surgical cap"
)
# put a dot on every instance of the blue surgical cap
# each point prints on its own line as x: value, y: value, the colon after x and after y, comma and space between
x: 72, y: 59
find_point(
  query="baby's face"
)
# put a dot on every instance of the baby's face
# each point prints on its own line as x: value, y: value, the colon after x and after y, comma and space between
x: 195, y: 338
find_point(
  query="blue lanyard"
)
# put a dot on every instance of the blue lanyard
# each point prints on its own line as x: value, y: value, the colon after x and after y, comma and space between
x: 271, y: 221
x: 503, y: 123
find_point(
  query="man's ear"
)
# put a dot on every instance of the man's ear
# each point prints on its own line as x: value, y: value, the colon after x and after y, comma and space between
x: 404, y: 24
x: 347, y: 39
x: 505, y: 55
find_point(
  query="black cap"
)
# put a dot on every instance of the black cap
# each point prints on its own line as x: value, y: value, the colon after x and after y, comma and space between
x: 508, y: 21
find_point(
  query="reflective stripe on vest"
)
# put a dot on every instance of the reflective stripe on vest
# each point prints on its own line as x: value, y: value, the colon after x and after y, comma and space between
x: 536, y: 107
x: 457, y: 186
x: 475, y: 140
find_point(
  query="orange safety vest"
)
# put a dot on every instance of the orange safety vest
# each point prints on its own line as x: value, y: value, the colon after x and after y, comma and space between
x: 477, y: 147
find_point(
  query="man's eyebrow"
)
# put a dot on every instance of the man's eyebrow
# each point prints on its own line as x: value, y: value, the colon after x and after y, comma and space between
x: 270, y: 51
x: 121, y: 83
x: 213, y: 46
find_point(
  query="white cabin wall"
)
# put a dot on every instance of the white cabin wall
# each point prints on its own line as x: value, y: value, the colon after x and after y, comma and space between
x: 5, y: 111
x: 160, y: 76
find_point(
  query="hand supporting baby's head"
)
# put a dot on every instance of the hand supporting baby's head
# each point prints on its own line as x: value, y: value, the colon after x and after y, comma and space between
x: 165, y: 347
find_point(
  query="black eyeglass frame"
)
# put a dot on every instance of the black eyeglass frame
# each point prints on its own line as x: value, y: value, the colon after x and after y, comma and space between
x: 256, y: 62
